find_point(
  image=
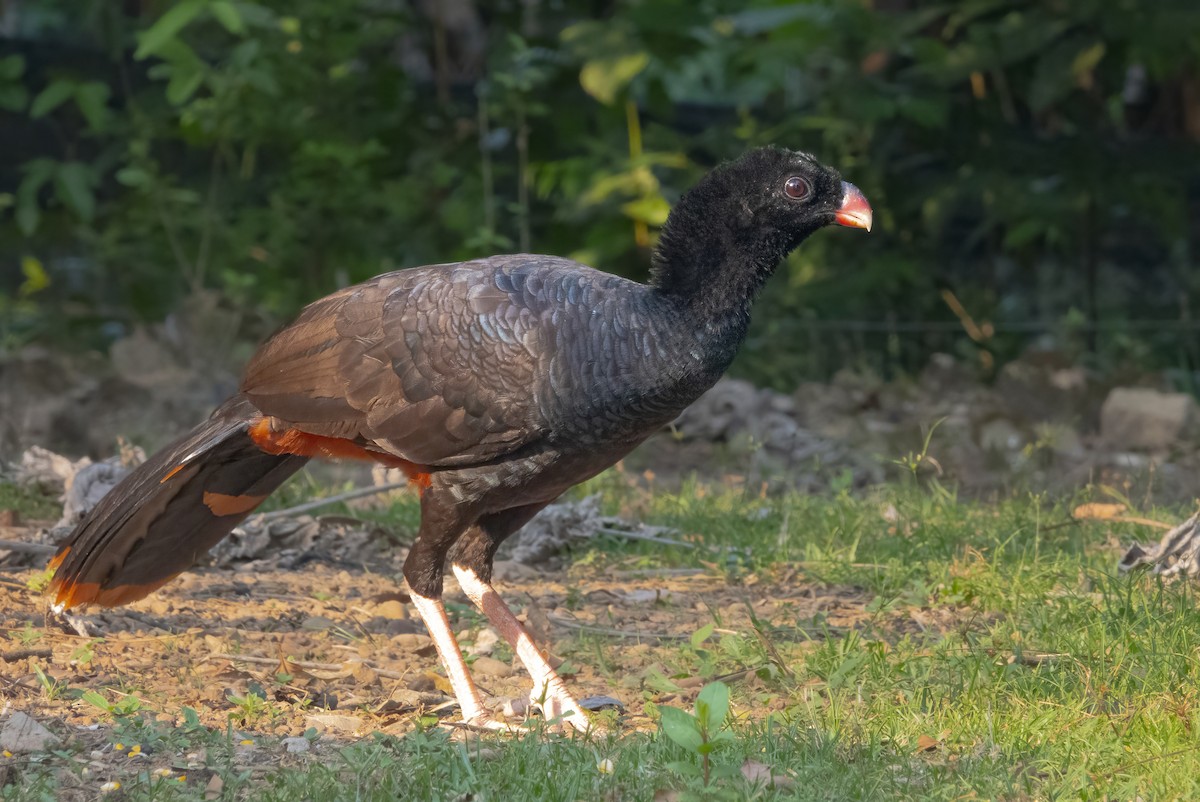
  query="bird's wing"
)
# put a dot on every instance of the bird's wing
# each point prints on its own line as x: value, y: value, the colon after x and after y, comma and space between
x: 439, y: 366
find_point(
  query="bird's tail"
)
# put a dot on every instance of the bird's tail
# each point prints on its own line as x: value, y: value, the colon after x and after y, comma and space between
x: 170, y: 510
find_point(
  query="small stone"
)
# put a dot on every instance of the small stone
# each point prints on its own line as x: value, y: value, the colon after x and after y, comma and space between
x: 332, y: 722
x: 485, y: 642
x: 296, y: 744
x: 1000, y: 436
x: 23, y: 734
x: 317, y: 623
x: 595, y: 703
x: 512, y: 571
x: 422, y: 683
x: 515, y: 708
x: 415, y: 642
x: 491, y: 667
x: 392, y: 609
x: 1140, y: 419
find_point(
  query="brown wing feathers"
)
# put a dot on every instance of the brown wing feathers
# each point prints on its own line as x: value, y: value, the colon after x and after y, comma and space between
x: 422, y: 369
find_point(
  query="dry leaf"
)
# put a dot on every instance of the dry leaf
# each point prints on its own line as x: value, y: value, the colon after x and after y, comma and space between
x: 927, y: 743
x: 756, y: 773
x: 1097, y: 511
x: 440, y: 682
x: 214, y: 788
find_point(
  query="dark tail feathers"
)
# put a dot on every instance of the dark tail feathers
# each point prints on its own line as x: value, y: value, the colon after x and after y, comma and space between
x: 173, y: 508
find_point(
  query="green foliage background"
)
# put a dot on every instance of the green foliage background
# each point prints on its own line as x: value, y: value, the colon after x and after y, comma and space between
x: 1033, y: 164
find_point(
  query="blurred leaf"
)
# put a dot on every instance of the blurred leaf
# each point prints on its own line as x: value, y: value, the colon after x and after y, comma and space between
x: 702, y: 634
x: 37, y: 173
x: 133, y: 177
x: 1024, y: 233
x: 165, y: 28
x: 182, y: 68
x: 50, y: 98
x: 227, y: 14
x: 13, y: 97
x: 36, y: 278
x: 256, y: 16
x: 12, y: 67
x: 603, y: 79
x: 92, y: 99
x: 651, y: 210
x: 760, y: 20
x: 74, y: 181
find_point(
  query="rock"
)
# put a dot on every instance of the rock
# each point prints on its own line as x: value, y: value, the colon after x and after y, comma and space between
x: 145, y: 360
x: 90, y: 484
x: 512, y: 571
x: 392, y: 609
x: 1036, y: 389
x: 712, y: 417
x: 491, y: 667
x: 41, y: 467
x: 1000, y: 436
x: 23, y: 734
x: 332, y: 722
x: 391, y: 626
x: 553, y: 529
x: 1140, y: 419
x: 485, y: 642
x: 296, y: 744
x: 944, y: 375
x: 594, y: 703
x: 413, y: 641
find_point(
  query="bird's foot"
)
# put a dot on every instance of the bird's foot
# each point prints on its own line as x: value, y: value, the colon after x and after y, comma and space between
x: 487, y: 723
x: 559, y: 706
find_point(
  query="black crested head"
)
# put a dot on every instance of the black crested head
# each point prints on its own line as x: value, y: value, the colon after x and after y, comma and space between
x: 729, y: 232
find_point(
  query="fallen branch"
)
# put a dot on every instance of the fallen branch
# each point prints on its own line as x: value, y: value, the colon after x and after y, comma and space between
x: 21, y: 654
x: 666, y: 541
x: 620, y: 633
x: 305, y: 664
x: 22, y: 547
x: 324, y: 502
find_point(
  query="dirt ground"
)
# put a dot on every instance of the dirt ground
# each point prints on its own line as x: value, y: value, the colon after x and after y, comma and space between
x: 339, y: 648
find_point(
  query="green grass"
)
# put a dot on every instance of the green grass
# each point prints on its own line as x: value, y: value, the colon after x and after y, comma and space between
x: 29, y: 503
x: 1000, y: 656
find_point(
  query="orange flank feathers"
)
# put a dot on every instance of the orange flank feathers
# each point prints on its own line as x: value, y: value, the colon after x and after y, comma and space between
x: 294, y: 441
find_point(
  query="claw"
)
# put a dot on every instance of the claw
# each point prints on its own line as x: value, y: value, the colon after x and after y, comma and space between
x: 489, y: 724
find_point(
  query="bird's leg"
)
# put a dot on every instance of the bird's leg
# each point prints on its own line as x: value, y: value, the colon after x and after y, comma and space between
x: 423, y: 569
x: 433, y: 613
x: 549, y: 690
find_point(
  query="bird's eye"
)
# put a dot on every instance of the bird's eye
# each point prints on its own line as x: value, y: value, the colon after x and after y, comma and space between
x: 797, y: 188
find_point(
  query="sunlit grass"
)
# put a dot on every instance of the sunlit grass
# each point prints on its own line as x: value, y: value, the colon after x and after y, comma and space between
x: 1001, y: 657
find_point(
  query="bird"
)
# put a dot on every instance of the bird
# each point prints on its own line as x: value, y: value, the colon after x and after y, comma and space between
x: 494, y: 384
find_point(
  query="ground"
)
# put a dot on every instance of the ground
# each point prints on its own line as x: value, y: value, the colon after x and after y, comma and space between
x: 898, y: 643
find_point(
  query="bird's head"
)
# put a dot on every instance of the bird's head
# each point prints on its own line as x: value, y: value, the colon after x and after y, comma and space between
x: 772, y: 192
x: 753, y: 211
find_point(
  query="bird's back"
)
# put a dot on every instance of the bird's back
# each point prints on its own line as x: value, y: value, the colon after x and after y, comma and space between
x: 462, y: 364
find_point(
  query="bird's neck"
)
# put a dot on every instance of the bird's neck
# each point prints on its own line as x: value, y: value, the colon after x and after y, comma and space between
x: 711, y: 275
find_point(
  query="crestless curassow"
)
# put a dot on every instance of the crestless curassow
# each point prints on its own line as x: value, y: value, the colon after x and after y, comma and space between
x: 495, y: 384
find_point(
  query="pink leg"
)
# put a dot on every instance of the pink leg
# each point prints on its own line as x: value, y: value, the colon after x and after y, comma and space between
x: 548, y: 688
x: 433, y: 613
